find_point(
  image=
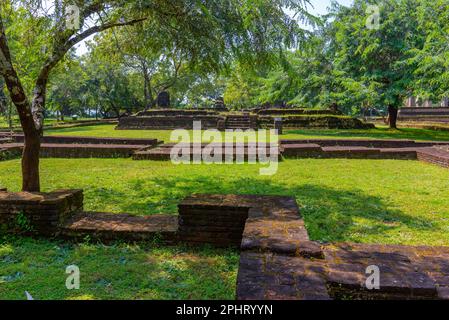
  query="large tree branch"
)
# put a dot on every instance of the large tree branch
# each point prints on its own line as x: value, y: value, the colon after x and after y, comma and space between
x: 63, y: 45
x: 91, y: 31
x: 13, y: 83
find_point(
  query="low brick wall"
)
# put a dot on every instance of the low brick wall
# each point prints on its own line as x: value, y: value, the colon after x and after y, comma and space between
x: 167, y: 122
x: 9, y: 152
x: 72, y: 151
x: 207, y: 220
x: 326, y: 122
x: 90, y: 140
x: 108, y: 227
x: 296, y: 111
x: 435, y: 156
x: 423, y: 112
x: 38, y: 213
x: 69, y: 151
x: 175, y: 112
x: 369, y: 143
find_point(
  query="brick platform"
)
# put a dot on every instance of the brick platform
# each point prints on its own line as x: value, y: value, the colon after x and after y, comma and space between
x: 183, y: 121
x: 423, y: 114
x: 277, y: 261
x: 192, y: 151
x: 89, y: 150
x: 405, y: 272
x: 416, y: 273
x: 435, y: 155
x: 38, y: 213
x: 369, y: 143
x: 78, y: 150
x: 434, y: 152
x: 90, y: 140
x: 78, y: 147
x: 109, y: 227
x: 267, y: 276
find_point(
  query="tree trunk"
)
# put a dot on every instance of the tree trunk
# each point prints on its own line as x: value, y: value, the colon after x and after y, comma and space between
x: 31, y: 115
x: 149, y: 99
x: 30, y: 158
x: 10, y: 117
x: 30, y: 162
x: 392, y: 116
x: 146, y: 92
x: 32, y: 143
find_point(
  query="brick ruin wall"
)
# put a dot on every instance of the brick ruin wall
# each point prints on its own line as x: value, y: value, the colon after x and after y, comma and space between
x: 89, y: 140
x: 38, y: 213
x: 326, y: 122
x: 424, y: 114
x: 168, y: 122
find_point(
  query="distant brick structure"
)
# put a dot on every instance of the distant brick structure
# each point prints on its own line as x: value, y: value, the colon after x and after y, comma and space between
x: 163, y: 100
x: 168, y: 122
x: 423, y: 114
x: 167, y: 119
x: 220, y: 104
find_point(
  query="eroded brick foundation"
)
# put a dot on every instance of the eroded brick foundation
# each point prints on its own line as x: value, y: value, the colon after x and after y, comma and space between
x: 38, y: 213
x: 277, y: 261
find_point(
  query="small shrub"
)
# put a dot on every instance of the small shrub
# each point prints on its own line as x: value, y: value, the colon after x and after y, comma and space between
x: 23, y: 223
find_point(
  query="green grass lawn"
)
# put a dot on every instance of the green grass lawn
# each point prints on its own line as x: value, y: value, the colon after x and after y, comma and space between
x: 368, y: 201
x: 115, y: 272
x: 371, y: 201
x: 164, y: 135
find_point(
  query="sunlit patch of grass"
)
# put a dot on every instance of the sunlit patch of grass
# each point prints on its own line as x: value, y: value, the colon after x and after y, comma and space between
x: 387, y: 201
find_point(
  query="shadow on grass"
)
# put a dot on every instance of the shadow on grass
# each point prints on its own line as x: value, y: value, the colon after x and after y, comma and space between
x: 330, y: 215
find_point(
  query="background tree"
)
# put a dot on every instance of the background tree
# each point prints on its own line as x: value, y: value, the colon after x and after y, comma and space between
x: 250, y: 31
x: 376, y: 59
x: 49, y: 29
x: 431, y: 60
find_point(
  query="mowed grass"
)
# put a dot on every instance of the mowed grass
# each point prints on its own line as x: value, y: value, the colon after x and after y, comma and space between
x: 369, y: 201
x: 107, y: 130
x: 115, y: 272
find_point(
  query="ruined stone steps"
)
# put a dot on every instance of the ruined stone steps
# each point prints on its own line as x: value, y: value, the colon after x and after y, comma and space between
x: 240, y: 123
